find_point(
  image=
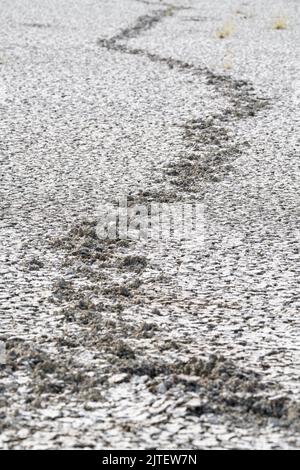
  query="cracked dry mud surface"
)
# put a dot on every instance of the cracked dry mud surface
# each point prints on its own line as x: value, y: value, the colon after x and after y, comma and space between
x: 137, y: 344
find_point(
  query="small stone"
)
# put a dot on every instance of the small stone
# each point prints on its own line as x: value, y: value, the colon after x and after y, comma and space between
x: 118, y: 378
x: 161, y: 388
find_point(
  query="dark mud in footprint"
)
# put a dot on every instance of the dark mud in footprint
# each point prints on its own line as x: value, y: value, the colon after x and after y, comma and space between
x: 94, y: 269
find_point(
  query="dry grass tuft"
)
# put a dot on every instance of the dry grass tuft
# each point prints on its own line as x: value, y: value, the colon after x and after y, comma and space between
x: 227, y: 31
x: 228, y: 66
x: 280, y: 24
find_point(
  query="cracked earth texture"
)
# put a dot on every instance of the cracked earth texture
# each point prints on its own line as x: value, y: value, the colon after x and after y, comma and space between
x: 138, y: 344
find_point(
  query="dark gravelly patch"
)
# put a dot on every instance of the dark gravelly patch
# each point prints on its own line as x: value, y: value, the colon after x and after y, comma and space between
x: 221, y: 387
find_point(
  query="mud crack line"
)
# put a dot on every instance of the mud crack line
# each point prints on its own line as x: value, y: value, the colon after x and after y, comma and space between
x: 207, y: 142
x: 144, y: 23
